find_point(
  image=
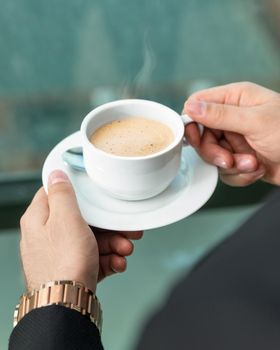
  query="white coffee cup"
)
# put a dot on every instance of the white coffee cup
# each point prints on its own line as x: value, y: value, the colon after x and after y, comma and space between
x: 133, y: 178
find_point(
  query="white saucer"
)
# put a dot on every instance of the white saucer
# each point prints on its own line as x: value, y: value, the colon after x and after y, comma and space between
x: 186, y: 194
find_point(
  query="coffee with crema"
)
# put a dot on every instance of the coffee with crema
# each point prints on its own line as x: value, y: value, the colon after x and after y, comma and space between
x: 132, y: 137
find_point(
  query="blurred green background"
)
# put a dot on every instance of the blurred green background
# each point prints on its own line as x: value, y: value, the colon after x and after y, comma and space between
x: 61, y: 59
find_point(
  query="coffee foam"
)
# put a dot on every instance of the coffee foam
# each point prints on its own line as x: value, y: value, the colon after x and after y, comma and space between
x: 132, y: 137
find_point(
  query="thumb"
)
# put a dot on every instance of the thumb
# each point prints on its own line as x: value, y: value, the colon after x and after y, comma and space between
x: 61, y: 196
x: 222, y: 116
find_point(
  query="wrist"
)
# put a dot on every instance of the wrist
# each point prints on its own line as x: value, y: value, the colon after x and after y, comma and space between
x: 71, y: 294
x: 84, y: 279
x: 87, y: 281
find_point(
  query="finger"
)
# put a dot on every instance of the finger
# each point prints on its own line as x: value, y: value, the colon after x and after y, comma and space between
x: 109, y: 243
x: 134, y: 235
x: 246, y: 163
x: 223, y: 143
x: 239, y: 94
x: 242, y: 120
x: 111, y: 264
x: 38, y: 210
x: 238, y: 143
x: 229, y: 93
x: 62, y: 198
x: 192, y: 134
x: 218, y: 134
x: 213, y: 153
x: 244, y: 156
x: 243, y: 163
x: 243, y: 179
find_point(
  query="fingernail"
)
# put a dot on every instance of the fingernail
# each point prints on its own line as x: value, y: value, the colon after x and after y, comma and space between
x: 220, y: 162
x: 258, y: 174
x: 245, y: 165
x: 116, y: 271
x: 196, y: 107
x: 119, y: 269
x: 57, y: 176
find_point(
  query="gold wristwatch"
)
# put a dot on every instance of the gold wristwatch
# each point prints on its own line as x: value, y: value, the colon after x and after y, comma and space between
x: 71, y: 294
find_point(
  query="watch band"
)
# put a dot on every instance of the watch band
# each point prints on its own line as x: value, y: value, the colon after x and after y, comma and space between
x: 71, y: 294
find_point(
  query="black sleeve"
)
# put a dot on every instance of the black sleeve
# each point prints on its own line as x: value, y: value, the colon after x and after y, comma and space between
x: 231, y: 299
x: 55, y: 328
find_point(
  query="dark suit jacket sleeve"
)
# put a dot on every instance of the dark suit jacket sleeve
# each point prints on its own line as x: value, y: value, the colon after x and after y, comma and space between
x: 55, y: 328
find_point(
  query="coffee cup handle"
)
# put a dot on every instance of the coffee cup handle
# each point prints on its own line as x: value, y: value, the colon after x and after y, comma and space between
x: 187, y: 120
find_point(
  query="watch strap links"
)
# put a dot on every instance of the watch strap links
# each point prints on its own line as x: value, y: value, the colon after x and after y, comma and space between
x: 71, y: 294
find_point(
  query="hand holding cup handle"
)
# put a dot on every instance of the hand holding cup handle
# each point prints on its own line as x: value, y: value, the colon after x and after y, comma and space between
x: 187, y: 120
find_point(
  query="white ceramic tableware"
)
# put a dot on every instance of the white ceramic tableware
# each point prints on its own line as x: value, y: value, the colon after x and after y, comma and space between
x: 133, y: 178
x: 193, y: 185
